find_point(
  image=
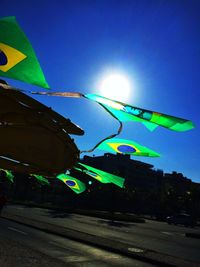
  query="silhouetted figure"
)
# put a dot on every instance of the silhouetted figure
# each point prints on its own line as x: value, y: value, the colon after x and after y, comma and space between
x: 3, y: 201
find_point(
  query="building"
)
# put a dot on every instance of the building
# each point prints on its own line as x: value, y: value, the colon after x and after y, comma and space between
x: 137, y: 174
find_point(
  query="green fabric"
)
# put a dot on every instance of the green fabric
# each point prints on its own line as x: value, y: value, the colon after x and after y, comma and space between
x: 122, y: 116
x: 41, y: 179
x: 101, y: 176
x: 76, y: 185
x: 124, y: 146
x: 150, y: 119
x: 9, y: 175
x: 14, y: 44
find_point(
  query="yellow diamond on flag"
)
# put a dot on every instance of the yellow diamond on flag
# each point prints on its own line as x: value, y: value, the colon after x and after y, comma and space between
x: 17, y: 58
x: 123, y: 147
x: 13, y: 57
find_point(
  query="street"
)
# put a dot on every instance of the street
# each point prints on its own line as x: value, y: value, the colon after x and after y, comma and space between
x: 152, y: 235
x: 25, y: 246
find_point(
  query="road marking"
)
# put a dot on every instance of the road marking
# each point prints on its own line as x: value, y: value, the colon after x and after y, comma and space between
x: 167, y: 233
x: 75, y: 258
x: 16, y: 230
x: 137, y: 250
x: 110, y: 257
x: 54, y: 243
x: 175, y: 233
x: 57, y: 244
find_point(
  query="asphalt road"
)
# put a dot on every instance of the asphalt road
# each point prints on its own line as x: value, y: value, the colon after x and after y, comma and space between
x: 25, y: 246
x: 158, y: 236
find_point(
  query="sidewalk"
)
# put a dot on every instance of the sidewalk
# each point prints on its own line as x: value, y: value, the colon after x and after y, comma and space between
x: 60, y: 228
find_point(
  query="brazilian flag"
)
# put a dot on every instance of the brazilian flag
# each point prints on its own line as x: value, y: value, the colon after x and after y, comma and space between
x: 17, y: 57
x: 129, y: 147
x: 41, y: 179
x: 76, y: 185
x: 9, y: 175
x: 151, y: 119
x: 101, y: 176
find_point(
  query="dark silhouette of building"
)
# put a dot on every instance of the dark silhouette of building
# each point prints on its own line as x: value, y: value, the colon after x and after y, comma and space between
x: 146, y: 190
x: 136, y: 173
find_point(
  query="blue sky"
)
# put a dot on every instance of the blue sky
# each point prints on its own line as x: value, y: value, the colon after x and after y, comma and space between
x: 155, y: 43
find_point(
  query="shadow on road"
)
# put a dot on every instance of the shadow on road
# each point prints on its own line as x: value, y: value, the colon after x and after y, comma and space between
x: 114, y: 223
x: 58, y: 214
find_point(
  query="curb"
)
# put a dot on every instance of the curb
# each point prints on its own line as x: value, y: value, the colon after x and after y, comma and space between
x: 145, y: 255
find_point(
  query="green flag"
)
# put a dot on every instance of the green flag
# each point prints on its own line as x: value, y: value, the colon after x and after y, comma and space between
x: 9, y: 175
x: 101, y: 176
x: 17, y: 57
x: 76, y: 185
x: 41, y: 179
x: 124, y: 146
x: 150, y: 119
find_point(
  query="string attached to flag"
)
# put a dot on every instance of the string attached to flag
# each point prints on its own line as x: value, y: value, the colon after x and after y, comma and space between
x: 45, y: 93
x: 107, y: 138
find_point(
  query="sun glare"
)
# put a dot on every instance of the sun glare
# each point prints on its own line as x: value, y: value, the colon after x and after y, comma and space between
x: 115, y: 86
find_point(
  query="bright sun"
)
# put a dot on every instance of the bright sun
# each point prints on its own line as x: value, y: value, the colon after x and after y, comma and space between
x: 115, y: 86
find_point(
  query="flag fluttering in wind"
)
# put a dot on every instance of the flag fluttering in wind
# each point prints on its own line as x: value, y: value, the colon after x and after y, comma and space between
x: 41, y: 179
x: 101, y: 176
x: 17, y: 57
x: 150, y: 119
x: 76, y: 185
x: 9, y: 175
x: 129, y: 147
